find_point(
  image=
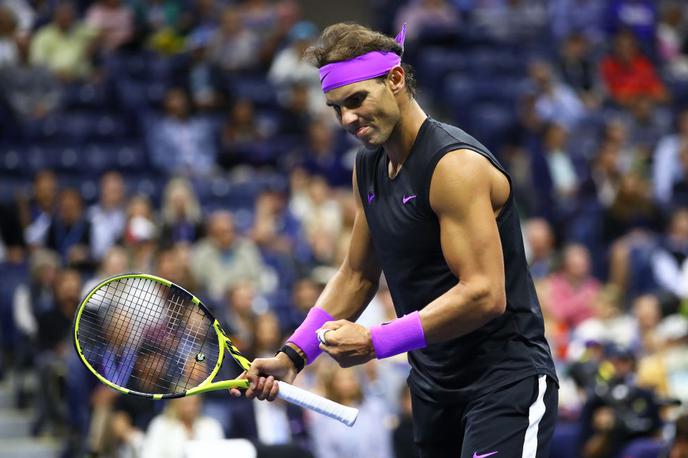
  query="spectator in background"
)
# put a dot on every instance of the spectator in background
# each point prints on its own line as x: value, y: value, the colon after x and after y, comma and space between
x: 223, y: 258
x: 54, y: 343
x: 427, y: 16
x: 628, y: 74
x: 369, y: 436
x: 518, y: 21
x: 234, y: 46
x: 647, y: 312
x: 666, y: 168
x: 646, y: 125
x: 616, y: 326
x: 259, y: 16
x: 114, y: 262
x: 679, y: 191
x: 296, y: 114
x: 31, y: 299
x: 31, y: 90
x: 679, y: 446
x: 554, y: 101
x: 170, y: 264
x: 569, y: 295
x: 539, y: 248
x: 240, y: 132
x: 25, y: 13
x: 665, y: 370
x: 35, y: 297
x: 238, y: 316
x: 275, y: 229
x: 269, y: 423
x: 602, y: 183
x: 179, y: 141
x: 670, y: 259
x: 65, y: 46
x: 325, y: 154
x: 631, y: 210
x: 9, y: 54
x: 672, y: 40
x: 577, y: 68
x: 204, y: 77
x: 37, y: 211
x: 555, y: 177
x: 113, y: 21
x: 321, y: 219
x: 181, y: 216
x: 69, y: 233
x: 140, y: 233
x: 617, y: 411
x: 158, y: 15
x: 289, y: 68
x: 577, y: 16
x: 108, y: 216
x: 179, y: 423
x: 267, y: 336
x: 205, y: 15
x: 163, y: 22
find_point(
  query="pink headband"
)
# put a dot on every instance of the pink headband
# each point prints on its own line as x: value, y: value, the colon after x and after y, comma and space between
x: 367, y: 66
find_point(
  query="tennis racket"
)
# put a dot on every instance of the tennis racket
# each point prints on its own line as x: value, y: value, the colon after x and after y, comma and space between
x: 145, y: 336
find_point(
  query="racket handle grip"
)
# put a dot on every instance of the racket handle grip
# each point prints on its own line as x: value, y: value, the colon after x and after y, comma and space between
x: 308, y: 400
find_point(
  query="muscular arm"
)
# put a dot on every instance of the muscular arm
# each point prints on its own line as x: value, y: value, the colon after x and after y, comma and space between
x: 466, y: 193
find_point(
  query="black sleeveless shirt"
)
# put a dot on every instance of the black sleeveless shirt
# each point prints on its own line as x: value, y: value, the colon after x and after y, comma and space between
x: 406, y: 239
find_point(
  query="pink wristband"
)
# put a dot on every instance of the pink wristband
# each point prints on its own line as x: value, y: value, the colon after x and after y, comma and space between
x: 398, y: 336
x: 304, y: 337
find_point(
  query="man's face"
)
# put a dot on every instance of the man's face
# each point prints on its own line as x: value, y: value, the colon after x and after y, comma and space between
x: 367, y: 109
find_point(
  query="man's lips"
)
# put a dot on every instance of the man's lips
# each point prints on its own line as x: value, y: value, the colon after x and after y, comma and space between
x: 361, y: 131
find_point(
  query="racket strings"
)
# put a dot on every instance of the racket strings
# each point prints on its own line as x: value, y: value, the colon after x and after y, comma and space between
x: 144, y: 336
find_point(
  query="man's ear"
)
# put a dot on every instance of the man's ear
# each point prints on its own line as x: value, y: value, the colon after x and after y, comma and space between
x: 396, y: 79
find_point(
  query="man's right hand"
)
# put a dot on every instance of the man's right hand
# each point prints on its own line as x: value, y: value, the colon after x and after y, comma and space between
x: 263, y: 374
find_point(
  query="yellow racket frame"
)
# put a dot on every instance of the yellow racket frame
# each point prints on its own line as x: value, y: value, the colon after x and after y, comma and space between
x: 223, y: 341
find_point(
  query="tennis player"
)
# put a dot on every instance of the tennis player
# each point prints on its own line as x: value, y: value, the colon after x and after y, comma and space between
x: 436, y: 213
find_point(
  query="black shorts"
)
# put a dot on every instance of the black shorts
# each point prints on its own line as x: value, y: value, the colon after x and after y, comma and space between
x: 516, y: 421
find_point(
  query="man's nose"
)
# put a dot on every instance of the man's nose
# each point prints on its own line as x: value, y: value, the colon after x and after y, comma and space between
x: 349, y: 117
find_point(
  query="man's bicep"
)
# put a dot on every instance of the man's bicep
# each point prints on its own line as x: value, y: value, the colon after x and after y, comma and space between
x: 460, y: 196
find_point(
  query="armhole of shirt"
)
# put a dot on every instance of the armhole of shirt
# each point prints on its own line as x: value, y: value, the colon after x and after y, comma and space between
x: 360, y: 175
x: 432, y: 164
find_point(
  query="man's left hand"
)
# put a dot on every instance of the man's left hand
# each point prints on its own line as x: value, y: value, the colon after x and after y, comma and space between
x: 348, y: 343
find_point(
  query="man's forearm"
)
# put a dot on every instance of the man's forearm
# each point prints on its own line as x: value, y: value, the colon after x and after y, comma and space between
x: 347, y: 294
x: 461, y: 310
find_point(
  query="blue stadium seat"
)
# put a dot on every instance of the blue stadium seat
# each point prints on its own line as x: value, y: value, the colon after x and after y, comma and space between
x: 565, y: 440
x: 254, y: 87
x: 13, y: 186
x: 98, y: 158
x: 139, y: 95
x: 491, y: 123
x: 435, y: 63
x: 150, y: 185
x: 644, y: 448
x: 489, y: 61
x: 84, y: 96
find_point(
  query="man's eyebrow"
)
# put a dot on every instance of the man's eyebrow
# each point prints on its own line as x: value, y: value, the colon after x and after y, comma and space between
x: 349, y: 97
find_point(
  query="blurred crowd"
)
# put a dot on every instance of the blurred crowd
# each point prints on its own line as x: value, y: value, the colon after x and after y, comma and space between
x: 189, y: 139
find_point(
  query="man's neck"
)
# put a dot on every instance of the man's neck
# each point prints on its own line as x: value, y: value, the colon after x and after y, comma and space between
x: 399, y: 144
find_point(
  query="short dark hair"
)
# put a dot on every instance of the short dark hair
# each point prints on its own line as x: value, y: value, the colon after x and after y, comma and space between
x: 345, y: 40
